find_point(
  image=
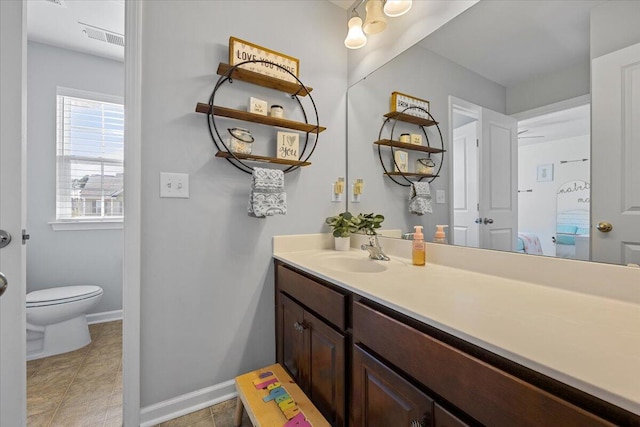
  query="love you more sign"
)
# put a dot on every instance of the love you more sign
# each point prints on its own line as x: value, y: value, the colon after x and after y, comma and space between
x: 288, y: 146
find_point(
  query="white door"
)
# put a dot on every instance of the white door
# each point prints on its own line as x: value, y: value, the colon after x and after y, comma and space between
x: 499, y: 181
x: 464, y: 148
x: 615, y: 141
x: 13, y: 408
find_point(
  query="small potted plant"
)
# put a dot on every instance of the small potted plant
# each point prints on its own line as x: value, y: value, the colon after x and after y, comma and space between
x: 342, y: 226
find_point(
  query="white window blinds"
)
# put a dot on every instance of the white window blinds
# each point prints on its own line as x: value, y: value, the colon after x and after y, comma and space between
x: 90, y: 150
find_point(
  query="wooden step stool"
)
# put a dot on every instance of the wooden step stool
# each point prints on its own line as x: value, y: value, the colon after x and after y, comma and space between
x: 271, y: 413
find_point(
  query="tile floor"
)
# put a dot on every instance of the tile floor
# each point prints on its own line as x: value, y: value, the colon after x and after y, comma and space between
x: 83, y: 388
x: 80, y: 388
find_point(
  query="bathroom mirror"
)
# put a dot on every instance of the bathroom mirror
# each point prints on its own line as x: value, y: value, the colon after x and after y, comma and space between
x: 494, y: 56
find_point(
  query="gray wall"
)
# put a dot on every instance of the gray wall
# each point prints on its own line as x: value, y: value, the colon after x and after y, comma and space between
x: 58, y: 258
x: 207, y: 303
x: 614, y: 25
x: 426, y: 75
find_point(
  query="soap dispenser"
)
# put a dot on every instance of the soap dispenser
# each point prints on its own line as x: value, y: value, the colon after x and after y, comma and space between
x: 417, y: 252
x: 440, y: 236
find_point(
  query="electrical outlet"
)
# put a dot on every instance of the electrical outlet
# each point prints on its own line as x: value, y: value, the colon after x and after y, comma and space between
x: 174, y: 185
x: 439, y: 196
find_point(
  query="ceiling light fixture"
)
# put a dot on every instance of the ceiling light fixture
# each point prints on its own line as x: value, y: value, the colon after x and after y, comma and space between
x: 375, y: 20
x: 395, y: 8
x: 355, y: 37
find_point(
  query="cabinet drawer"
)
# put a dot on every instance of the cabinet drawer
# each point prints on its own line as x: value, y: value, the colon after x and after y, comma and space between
x: 487, y: 394
x: 326, y: 302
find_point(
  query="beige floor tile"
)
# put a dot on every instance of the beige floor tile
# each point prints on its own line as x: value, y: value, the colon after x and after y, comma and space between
x: 113, y: 421
x: 95, y: 330
x: 91, y: 390
x: 189, y: 419
x: 227, y: 405
x: 33, y: 366
x: 207, y: 422
x: 226, y: 419
x: 40, y: 420
x: 66, y: 360
x: 111, y: 328
x: 45, y: 390
x: 80, y: 415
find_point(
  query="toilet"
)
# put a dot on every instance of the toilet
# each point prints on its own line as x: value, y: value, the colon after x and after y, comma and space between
x: 56, y: 319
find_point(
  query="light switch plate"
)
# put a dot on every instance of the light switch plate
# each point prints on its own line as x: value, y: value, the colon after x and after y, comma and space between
x: 174, y: 185
x: 439, y: 196
x: 335, y: 197
x: 355, y: 198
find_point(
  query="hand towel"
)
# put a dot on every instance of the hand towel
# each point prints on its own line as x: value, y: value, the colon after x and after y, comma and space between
x: 420, y: 198
x: 267, y: 196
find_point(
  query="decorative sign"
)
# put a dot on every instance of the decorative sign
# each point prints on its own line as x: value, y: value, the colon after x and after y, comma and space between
x: 288, y: 145
x: 401, y: 101
x: 401, y: 161
x: 241, y: 51
x: 257, y: 106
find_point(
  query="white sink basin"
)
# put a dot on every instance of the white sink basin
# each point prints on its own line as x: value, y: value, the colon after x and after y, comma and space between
x: 352, y: 263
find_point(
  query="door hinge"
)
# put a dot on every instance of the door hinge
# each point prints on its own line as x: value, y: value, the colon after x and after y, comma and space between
x: 478, y: 207
x: 25, y: 236
x: 477, y: 143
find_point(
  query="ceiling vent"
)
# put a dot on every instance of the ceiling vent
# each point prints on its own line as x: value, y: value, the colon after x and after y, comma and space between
x: 97, y: 33
x: 57, y: 2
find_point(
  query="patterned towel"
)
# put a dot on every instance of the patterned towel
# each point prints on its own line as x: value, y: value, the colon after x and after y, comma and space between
x: 267, y: 196
x: 420, y: 198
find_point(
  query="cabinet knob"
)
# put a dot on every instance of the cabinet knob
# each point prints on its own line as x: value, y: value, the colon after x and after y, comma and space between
x: 418, y: 423
x: 300, y: 327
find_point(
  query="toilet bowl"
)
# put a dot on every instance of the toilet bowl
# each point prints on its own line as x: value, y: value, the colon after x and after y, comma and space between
x: 56, y: 319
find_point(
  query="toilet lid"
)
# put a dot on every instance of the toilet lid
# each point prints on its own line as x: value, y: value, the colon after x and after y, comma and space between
x: 61, y: 295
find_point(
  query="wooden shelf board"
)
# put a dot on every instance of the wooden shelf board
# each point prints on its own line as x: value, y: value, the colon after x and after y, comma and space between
x: 404, y: 145
x: 258, y: 118
x: 264, y: 81
x: 410, y: 119
x: 411, y: 174
x: 261, y: 159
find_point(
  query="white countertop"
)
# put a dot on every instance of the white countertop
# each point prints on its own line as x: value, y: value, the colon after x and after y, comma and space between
x: 587, y: 341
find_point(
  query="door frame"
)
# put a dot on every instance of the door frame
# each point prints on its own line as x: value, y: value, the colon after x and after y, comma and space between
x: 132, y: 218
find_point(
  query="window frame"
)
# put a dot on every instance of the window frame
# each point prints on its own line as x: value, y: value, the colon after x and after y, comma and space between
x: 85, y: 222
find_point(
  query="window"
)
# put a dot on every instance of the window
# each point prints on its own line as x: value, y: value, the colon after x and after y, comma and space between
x: 90, y: 151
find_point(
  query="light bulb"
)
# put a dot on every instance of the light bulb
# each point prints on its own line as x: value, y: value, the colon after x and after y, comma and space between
x: 355, y: 37
x: 395, y: 8
x: 375, y: 22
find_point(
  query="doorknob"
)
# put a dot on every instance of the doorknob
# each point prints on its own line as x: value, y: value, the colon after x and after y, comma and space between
x: 488, y: 221
x: 3, y: 284
x: 604, y: 226
x: 5, y: 238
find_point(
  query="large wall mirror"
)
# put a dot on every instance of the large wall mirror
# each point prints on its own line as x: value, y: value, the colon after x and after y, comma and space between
x: 538, y: 105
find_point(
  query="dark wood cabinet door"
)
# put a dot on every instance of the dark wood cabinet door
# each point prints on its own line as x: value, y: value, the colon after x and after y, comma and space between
x: 382, y: 398
x: 326, y: 372
x: 443, y: 418
x: 292, y: 354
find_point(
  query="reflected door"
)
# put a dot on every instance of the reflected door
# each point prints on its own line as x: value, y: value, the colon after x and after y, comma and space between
x: 498, y: 152
x: 616, y: 141
x: 466, y: 228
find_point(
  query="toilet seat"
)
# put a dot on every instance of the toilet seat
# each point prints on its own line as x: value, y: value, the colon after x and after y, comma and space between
x: 61, y: 295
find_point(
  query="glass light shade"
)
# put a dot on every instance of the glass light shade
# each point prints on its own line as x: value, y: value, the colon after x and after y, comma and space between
x: 394, y: 8
x: 375, y: 22
x: 355, y: 37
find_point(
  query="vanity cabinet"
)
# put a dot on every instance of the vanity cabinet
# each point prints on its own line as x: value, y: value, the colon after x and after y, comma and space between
x: 365, y: 364
x: 311, y: 340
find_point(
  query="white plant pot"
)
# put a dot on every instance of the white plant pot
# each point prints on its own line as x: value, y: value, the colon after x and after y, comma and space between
x: 342, y: 243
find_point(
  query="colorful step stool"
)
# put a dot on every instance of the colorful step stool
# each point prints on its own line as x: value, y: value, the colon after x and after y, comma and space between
x: 273, y: 399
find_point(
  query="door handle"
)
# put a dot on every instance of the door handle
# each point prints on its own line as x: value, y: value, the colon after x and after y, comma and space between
x: 300, y: 327
x: 488, y: 221
x: 604, y: 226
x: 3, y: 284
x: 5, y: 238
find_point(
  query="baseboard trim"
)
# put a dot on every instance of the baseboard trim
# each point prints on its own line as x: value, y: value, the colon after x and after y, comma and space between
x: 105, y: 316
x: 187, y: 403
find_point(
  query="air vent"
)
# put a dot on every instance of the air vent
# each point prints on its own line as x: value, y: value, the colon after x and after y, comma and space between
x: 97, y: 33
x: 57, y: 2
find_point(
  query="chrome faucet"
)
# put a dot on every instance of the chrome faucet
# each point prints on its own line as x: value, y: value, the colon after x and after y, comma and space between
x: 375, y: 250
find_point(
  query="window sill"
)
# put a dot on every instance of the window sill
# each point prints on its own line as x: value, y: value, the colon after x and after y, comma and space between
x: 86, y: 225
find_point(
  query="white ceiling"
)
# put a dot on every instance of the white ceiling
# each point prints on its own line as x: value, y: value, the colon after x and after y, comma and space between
x: 89, y: 26
x: 555, y: 126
